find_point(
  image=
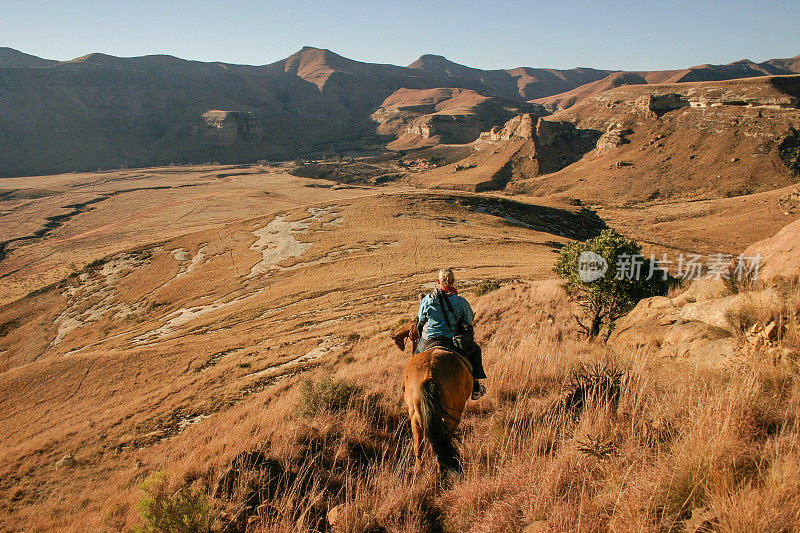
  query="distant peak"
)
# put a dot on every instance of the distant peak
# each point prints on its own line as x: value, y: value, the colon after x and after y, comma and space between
x: 314, y: 51
x: 432, y: 57
x: 94, y: 56
x: 312, y: 54
x: 435, y: 62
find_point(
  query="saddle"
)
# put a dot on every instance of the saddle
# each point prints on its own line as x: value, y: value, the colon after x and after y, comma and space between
x: 446, y: 344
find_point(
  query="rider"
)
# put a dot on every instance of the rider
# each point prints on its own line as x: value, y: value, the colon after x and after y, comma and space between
x: 432, y: 319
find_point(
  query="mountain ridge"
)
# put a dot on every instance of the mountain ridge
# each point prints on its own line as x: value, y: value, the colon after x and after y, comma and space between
x: 102, y: 111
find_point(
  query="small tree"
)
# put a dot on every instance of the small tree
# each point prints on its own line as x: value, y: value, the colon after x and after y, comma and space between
x: 610, y: 275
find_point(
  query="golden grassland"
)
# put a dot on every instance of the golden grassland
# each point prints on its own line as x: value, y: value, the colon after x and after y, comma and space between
x: 663, y: 444
x: 125, y: 354
x: 236, y: 358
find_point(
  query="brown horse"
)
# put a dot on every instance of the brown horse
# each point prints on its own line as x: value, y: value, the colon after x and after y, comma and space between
x: 437, y: 386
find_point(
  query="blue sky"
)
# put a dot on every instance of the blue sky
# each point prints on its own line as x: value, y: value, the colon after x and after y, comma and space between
x: 613, y: 34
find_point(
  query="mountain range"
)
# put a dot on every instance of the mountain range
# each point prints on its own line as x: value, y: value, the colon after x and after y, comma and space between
x: 101, y: 111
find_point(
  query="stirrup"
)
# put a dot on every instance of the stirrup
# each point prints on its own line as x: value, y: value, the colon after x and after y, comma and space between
x: 478, y: 394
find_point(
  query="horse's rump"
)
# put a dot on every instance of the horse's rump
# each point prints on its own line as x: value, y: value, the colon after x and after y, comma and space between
x: 437, y: 386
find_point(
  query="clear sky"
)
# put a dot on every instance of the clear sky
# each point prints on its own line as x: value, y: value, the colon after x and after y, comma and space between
x: 561, y: 34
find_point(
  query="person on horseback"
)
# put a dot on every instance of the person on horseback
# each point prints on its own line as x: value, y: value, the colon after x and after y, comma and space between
x: 441, y: 313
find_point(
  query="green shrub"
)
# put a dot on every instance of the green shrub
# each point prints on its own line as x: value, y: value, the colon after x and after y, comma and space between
x: 486, y: 286
x: 186, y: 510
x: 603, y: 295
x: 326, y: 395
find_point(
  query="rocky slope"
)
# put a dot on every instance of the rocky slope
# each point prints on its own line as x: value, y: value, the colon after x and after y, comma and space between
x: 444, y: 115
x: 720, y: 316
x: 646, y: 143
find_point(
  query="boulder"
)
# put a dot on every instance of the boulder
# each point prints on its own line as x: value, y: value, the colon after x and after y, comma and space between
x: 779, y: 255
x: 334, y: 514
x: 612, y: 139
x: 68, y: 461
x: 540, y: 526
x: 717, y: 312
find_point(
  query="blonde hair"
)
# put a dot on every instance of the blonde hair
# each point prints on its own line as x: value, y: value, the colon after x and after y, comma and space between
x: 446, y: 277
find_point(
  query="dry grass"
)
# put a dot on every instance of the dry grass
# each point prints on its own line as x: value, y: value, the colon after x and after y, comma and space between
x: 676, y: 438
x: 635, y: 460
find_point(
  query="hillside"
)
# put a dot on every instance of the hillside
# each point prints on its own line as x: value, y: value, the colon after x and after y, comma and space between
x: 10, y: 58
x: 443, y: 116
x: 197, y: 353
x: 110, y: 112
x: 649, y: 143
x: 697, y: 140
x: 735, y: 70
x: 206, y: 296
x: 517, y: 83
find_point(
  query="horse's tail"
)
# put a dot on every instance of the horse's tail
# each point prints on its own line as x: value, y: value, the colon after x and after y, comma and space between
x: 443, y: 441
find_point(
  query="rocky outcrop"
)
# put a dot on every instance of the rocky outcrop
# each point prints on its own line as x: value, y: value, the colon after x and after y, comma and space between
x: 445, y: 115
x: 699, y: 322
x: 779, y: 255
x: 655, y: 105
x: 522, y: 126
x: 225, y: 128
x: 554, y: 144
x: 612, y: 139
x: 449, y: 129
x: 713, y: 317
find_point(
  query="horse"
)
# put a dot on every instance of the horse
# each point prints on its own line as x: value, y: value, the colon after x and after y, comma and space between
x: 437, y: 384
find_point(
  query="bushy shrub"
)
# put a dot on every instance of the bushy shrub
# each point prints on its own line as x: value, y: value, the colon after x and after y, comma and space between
x: 326, y: 395
x: 486, y: 286
x: 789, y: 150
x: 186, y: 510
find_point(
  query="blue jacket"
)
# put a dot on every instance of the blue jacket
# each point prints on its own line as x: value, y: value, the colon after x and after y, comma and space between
x: 430, y: 314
